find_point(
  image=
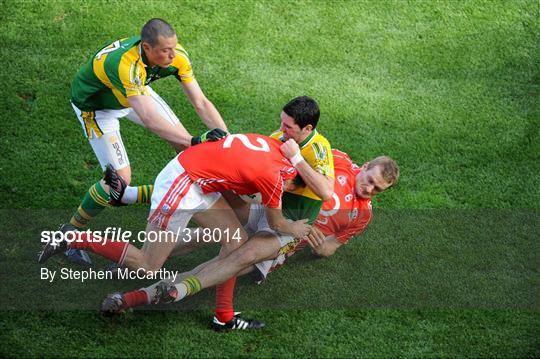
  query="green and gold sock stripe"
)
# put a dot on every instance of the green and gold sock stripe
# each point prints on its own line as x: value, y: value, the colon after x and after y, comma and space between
x: 99, y: 195
x: 144, y: 193
x: 192, y: 284
x: 94, y: 201
x: 80, y: 218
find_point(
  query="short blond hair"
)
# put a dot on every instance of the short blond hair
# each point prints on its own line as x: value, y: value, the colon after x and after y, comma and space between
x: 389, y: 168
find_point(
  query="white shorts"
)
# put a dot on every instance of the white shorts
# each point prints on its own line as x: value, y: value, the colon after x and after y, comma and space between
x: 102, y: 128
x: 258, y: 222
x: 176, y: 198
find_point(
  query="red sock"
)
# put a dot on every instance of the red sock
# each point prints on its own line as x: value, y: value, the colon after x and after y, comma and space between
x: 113, y: 250
x: 224, y: 300
x: 136, y: 298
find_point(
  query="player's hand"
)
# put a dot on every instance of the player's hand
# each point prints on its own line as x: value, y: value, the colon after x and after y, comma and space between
x: 290, y: 148
x: 212, y: 135
x: 301, y: 228
x: 315, y: 238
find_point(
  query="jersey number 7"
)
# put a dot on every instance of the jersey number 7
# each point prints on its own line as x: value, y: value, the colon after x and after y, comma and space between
x: 114, y: 46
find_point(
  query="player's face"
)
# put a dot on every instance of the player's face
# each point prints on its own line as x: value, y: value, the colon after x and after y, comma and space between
x: 291, y: 130
x: 370, y: 182
x: 162, y: 54
x: 289, y: 186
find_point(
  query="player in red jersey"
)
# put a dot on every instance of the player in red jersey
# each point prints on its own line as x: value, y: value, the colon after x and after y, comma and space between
x: 188, y: 187
x: 345, y: 215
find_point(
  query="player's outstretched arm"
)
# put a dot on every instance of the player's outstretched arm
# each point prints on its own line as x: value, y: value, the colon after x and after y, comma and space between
x: 145, y: 108
x: 321, y: 245
x: 321, y: 185
x: 298, y: 229
x: 203, y: 106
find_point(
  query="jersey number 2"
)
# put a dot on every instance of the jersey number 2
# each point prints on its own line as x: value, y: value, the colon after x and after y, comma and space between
x: 245, y: 141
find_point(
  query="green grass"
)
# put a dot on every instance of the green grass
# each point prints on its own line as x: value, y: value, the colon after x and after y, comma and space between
x: 449, y: 266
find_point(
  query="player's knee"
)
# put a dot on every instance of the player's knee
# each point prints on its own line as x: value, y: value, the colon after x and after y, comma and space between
x: 228, y: 248
x: 126, y: 174
x: 150, y: 265
x: 247, y: 256
x: 104, y: 185
x: 147, y: 267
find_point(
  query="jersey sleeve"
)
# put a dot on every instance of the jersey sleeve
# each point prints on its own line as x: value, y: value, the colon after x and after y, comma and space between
x: 324, y: 159
x: 183, y: 64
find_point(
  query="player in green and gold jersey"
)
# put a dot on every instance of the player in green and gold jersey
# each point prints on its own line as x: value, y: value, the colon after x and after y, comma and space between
x: 113, y: 84
x: 311, y: 154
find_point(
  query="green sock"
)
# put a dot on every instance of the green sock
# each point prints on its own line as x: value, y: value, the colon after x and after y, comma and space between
x: 94, y: 201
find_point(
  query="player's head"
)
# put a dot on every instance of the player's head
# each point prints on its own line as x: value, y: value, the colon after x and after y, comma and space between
x: 158, y: 40
x: 376, y: 176
x: 292, y: 184
x: 299, y: 117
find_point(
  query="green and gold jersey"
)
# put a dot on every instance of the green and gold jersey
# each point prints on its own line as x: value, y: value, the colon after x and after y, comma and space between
x: 120, y: 70
x: 303, y: 203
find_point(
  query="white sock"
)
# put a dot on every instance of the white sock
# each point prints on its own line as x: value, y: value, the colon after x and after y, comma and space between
x: 148, y: 296
x: 130, y: 195
x: 182, y: 291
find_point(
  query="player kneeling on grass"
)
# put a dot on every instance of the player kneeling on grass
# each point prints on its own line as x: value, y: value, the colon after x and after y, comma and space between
x: 347, y: 214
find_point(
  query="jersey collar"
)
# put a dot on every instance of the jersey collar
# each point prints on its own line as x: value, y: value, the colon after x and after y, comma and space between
x: 308, y: 138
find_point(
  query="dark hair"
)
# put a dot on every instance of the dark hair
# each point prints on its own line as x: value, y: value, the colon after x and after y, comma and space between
x: 155, y: 28
x: 304, y: 110
x: 298, y: 181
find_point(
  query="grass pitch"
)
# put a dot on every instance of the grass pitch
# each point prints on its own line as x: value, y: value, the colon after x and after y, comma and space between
x: 449, y: 267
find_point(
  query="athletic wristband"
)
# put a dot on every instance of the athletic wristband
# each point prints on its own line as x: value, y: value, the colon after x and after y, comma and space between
x: 296, y: 159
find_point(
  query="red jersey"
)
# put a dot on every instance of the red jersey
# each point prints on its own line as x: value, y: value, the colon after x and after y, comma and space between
x: 344, y: 215
x: 243, y: 163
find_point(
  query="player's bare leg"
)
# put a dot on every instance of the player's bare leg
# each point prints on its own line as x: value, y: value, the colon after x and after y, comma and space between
x: 116, y: 303
x: 188, y: 242
x: 219, y: 217
x: 166, y: 292
x: 218, y: 270
x: 154, y: 253
x: 225, y: 291
x: 240, y: 207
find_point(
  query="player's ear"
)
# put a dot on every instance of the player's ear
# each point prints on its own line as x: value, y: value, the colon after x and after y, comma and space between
x: 308, y: 128
x: 364, y: 166
x: 146, y: 46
